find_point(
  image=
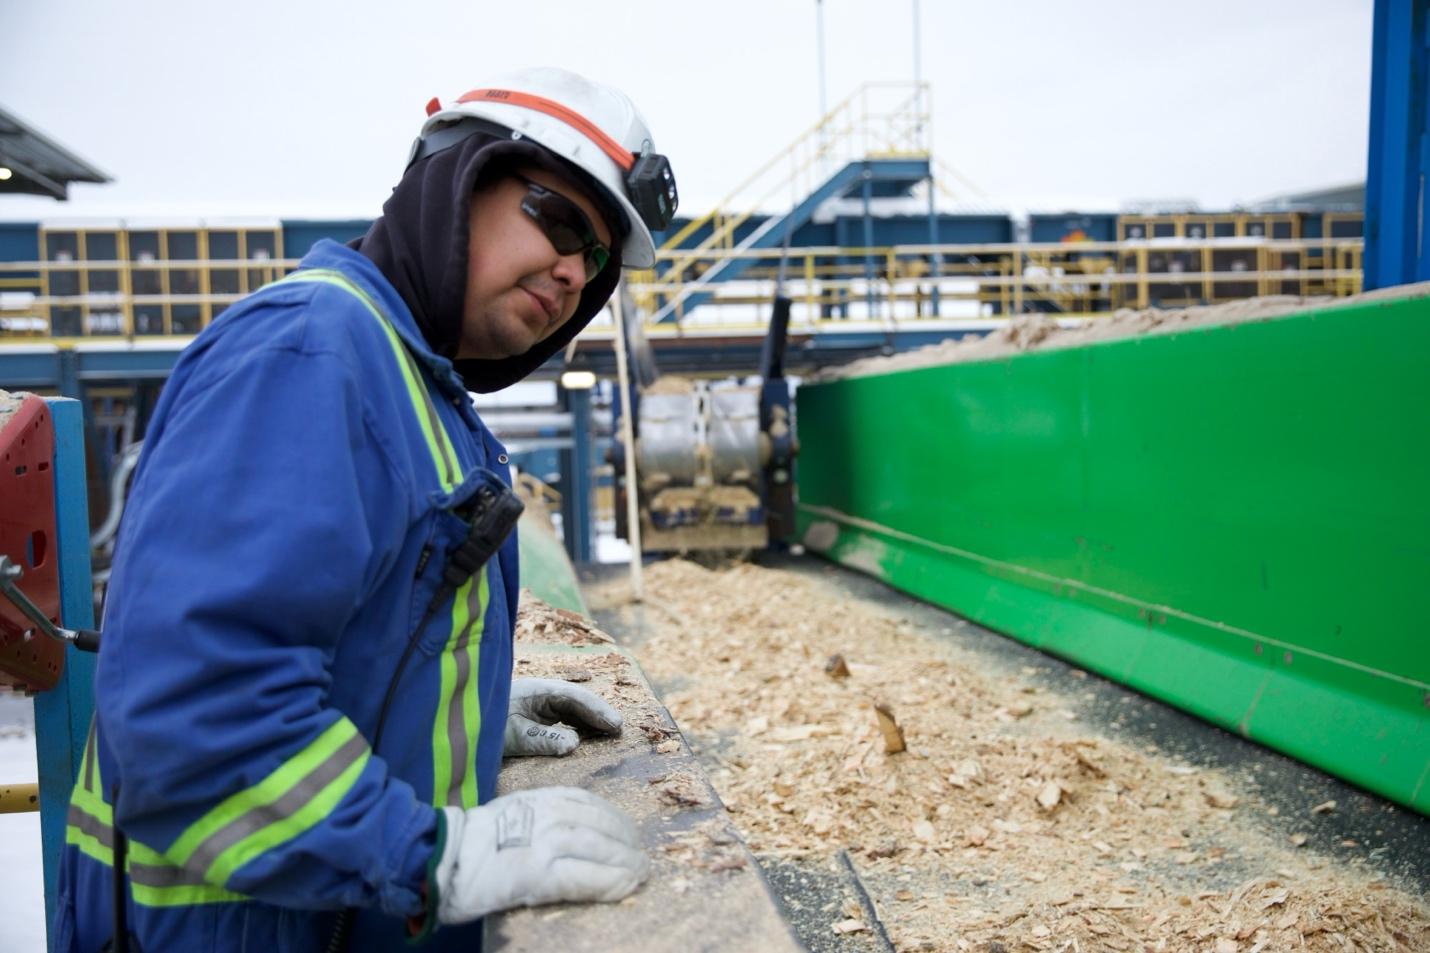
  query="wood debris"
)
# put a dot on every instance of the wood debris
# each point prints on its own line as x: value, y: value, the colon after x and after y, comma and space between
x: 1221, y: 799
x: 681, y: 790
x: 538, y: 622
x: 963, y: 814
x: 836, y: 667
x: 889, y: 728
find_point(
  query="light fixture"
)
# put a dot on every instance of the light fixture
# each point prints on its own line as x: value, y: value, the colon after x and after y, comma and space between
x: 5, y: 174
x: 578, y: 380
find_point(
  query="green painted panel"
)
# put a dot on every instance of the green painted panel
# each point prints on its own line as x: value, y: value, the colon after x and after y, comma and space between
x: 1235, y: 519
x: 546, y: 569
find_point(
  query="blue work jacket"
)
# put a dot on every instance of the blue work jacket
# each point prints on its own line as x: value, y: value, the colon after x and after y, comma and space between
x: 288, y: 524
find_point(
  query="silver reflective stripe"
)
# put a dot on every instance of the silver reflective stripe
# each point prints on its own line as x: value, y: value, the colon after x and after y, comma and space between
x: 146, y: 875
x: 87, y: 823
x: 153, y: 875
x: 292, y: 801
x: 433, y: 420
x: 89, y: 760
x: 456, y: 722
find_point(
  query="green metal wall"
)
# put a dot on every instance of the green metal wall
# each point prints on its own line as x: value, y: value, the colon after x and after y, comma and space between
x: 1233, y: 519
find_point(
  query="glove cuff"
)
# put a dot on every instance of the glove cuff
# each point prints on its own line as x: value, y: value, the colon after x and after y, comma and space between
x: 421, y: 927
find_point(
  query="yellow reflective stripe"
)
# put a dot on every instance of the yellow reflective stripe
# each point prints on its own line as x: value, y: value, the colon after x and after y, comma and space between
x: 458, y: 721
x: 153, y: 880
x: 283, y: 830
x: 89, y: 765
x: 439, y: 443
x: 87, y: 785
x: 292, y: 798
x: 182, y: 896
x: 89, y: 844
x: 472, y: 706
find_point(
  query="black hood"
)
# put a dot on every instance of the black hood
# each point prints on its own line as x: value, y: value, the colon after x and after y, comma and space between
x: 420, y: 246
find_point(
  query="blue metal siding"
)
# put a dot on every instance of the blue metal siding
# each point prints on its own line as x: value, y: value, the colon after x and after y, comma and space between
x: 301, y: 235
x: 19, y: 241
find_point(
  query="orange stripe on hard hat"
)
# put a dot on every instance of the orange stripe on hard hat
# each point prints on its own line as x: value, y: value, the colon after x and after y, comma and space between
x: 621, y: 157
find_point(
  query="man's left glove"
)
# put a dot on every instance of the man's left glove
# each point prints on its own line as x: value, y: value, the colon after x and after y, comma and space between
x: 537, y: 703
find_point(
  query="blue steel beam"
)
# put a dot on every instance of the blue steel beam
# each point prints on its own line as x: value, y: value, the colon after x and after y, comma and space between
x: 741, y: 355
x: 29, y: 367
x: 62, y: 714
x: 46, y: 367
x: 41, y: 370
x: 1399, y: 159
x: 577, y: 519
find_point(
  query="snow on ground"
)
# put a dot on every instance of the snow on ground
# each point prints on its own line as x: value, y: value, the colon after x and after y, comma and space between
x: 22, y: 880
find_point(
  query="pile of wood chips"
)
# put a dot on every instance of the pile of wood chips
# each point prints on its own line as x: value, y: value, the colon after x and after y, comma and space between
x: 1004, y: 823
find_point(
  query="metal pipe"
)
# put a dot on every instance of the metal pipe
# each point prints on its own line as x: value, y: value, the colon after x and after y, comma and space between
x: 628, y: 438
x: 19, y: 798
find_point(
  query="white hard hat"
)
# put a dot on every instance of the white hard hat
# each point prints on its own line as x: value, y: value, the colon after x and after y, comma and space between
x: 593, y: 126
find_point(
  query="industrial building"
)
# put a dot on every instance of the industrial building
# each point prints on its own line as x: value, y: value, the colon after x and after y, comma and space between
x: 1005, y: 581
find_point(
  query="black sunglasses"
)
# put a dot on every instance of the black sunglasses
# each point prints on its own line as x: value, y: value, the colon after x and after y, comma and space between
x: 565, y: 226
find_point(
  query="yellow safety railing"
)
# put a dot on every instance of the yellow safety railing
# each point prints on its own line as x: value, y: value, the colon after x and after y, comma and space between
x: 900, y: 283
x: 879, y: 120
x: 32, y: 308
x: 828, y: 284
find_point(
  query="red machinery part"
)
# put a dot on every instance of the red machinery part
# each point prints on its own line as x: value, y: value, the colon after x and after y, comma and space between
x: 27, y: 536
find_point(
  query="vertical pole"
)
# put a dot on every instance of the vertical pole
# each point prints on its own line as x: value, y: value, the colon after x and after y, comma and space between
x: 823, y: 101
x: 918, y: 79
x: 1399, y: 155
x: 628, y: 442
x: 576, y: 514
x: 62, y: 714
x: 936, y: 259
x: 868, y: 193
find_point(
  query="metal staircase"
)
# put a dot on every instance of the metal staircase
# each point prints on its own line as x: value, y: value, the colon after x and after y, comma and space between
x: 874, y: 143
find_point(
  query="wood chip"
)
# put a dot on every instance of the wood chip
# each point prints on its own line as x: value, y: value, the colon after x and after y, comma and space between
x: 849, y: 926
x: 889, y: 727
x: 1324, y: 808
x: 1275, y: 900
x: 836, y: 667
x: 1220, y: 799
x: 1050, y: 795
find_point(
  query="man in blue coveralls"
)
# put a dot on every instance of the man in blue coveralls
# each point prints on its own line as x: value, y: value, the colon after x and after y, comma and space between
x: 305, y: 689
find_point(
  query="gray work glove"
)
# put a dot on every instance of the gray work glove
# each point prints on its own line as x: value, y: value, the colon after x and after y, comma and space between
x: 545, y: 845
x: 537, y: 703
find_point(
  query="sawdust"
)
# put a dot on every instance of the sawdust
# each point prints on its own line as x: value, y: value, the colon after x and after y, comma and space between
x: 9, y: 404
x: 1005, y: 824
x: 704, y: 892
x: 1029, y: 332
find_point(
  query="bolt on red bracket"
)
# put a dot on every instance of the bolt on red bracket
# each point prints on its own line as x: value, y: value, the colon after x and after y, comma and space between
x: 29, y: 660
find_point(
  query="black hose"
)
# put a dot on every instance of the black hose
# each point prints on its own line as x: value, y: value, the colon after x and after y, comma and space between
x: 120, y: 939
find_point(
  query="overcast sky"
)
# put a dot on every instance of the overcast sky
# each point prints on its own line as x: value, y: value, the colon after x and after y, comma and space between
x: 298, y: 108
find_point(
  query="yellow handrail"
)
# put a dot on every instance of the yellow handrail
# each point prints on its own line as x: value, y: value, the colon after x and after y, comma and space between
x: 970, y: 280
x: 844, y: 124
